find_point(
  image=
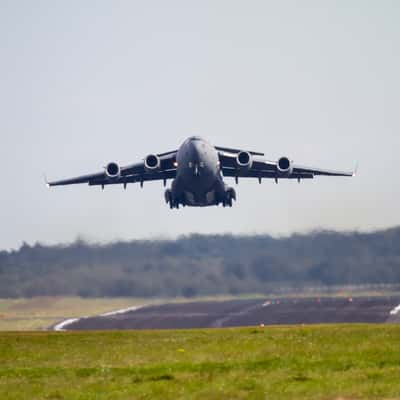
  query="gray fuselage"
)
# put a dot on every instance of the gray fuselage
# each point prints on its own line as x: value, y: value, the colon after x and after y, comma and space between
x: 198, y: 179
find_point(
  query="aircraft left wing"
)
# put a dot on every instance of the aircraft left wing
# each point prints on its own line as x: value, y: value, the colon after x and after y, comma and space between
x: 246, y: 164
x: 153, y: 167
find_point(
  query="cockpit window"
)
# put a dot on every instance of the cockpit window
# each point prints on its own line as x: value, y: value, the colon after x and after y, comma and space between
x: 195, y: 138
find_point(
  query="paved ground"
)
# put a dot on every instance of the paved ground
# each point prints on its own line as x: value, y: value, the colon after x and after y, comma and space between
x: 248, y: 312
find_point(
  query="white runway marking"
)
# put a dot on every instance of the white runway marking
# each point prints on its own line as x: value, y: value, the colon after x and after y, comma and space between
x: 219, y: 323
x: 61, y: 326
x: 122, y: 311
x: 395, y: 310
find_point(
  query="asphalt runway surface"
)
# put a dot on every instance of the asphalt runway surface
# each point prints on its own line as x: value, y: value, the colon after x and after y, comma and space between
x: 217, y: 314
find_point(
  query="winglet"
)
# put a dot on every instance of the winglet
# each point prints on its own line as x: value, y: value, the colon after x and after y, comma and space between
x: 355, y: 169
x: 46, y: 181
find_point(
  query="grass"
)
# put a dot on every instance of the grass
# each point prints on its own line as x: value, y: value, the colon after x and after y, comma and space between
x: 302, y: 362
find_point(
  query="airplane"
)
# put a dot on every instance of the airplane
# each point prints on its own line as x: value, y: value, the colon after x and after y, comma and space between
x: 197, y: 169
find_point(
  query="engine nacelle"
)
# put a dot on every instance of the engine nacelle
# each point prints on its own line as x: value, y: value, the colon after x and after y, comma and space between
x: 152, y: 162
x: 244, y: 160
x: 285, y: 165
x: 113, y: 170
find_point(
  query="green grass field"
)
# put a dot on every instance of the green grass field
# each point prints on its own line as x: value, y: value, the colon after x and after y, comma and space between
x: 311, y: 362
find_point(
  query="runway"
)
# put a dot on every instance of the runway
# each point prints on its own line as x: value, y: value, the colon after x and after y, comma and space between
x: 268, y: 311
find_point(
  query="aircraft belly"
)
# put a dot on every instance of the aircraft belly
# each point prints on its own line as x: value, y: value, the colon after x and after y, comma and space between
x: 209, y: 198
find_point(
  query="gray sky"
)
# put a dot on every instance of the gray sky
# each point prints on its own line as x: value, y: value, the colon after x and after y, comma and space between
x: 84, y: 83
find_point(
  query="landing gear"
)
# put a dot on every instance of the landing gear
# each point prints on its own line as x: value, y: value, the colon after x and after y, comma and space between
x: 171, y: 200
x: 227, y: 203
x: 230, y: 195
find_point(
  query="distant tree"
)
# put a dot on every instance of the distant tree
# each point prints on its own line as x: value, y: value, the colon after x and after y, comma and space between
x: 200, y: 265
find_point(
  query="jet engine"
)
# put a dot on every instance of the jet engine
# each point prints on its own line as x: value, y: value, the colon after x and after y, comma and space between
x: 152, y: 162
x: 244, y: 160
x: 285, y: 165
x: 113, y: 170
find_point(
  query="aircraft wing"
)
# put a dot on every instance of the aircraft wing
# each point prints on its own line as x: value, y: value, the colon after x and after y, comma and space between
x: 132, y: 173
x: 260, y: 167
x: 319, y: 171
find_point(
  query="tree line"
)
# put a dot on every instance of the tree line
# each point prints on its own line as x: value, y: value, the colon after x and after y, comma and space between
x: 201, y: 265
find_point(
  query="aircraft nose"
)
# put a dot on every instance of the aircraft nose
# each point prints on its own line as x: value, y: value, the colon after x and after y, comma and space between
x: 195, y: 159
x: 194, y: 149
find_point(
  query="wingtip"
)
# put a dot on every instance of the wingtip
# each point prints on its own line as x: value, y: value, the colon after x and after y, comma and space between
x: 46, y: 181
x: 355, y: 169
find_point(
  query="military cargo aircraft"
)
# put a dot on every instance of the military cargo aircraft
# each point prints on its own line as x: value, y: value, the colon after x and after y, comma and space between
x: 197, y: 169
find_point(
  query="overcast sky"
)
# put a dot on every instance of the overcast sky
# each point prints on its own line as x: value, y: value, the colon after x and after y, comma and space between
x: 83, y: 83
